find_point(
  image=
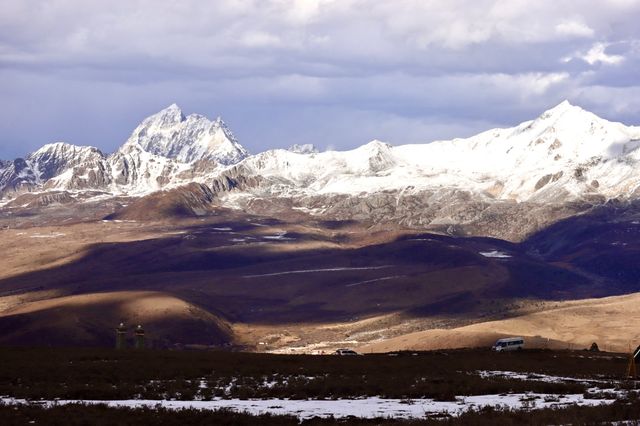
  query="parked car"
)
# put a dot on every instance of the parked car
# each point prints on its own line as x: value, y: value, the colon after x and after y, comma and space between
x: 345, y: 352
x: 508, y: 344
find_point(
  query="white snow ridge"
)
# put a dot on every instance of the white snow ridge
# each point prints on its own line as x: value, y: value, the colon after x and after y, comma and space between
x: 565, y: 154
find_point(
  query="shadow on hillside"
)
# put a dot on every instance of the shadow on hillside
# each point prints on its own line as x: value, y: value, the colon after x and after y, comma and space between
x: 240, y: 272
x: 603, y: 244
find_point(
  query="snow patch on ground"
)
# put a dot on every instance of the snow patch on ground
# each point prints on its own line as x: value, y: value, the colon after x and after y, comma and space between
x: 281, y: 236
x: 52, y: 235
x: 308, y: 271
x: 363, y: 408
x: 495, y: 253
x: 541, y: 377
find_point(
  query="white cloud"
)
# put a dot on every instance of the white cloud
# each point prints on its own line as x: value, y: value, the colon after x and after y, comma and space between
x: 597, y: 54
x: 540, y: 83
x: 259, y: 39
x: 574, y: 28
x: 406, y: 62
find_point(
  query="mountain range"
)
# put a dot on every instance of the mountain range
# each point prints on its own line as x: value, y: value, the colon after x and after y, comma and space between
x: 505, y: 183
x: 182, y: 230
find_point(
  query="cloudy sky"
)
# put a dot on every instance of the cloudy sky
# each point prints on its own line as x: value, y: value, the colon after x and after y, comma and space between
x: 336, y: 73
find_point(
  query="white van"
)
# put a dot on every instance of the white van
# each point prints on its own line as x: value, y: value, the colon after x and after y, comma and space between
x: 508, y: 344
x: 345, y: 352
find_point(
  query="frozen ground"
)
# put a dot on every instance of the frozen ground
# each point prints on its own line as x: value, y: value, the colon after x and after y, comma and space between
x: 541, y: 377
x: 374, y: 407
x: 363, y: 408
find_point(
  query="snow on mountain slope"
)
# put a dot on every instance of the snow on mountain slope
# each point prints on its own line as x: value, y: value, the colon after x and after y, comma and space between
x: 307, y: 148
x: 166, y: 150
x: 34, y: 171
x: 170, y: 134
x: 137, y: 171
x: 566, y: 146
x: 17, y: 176
x: 53, y: 159
x: 563, y: 154
x: 505, y: 183
x: 502, y: 182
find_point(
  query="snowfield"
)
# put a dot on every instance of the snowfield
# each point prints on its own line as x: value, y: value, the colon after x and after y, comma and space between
x: 374, y: 407
x: 362, y: 408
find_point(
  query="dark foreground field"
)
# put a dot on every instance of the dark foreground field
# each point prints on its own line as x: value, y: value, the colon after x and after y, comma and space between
x: 185, y: 375
x: 96, y: 374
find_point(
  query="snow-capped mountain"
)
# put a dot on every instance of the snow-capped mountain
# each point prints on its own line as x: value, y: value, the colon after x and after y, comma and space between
x: 564, y: 154
x: 166, y: 149
x: 518, y: 178
x: 170, y: 134
x: 503, y: 182
x: 53, y: 159
x: 169, y: 149
x: 40, y: 166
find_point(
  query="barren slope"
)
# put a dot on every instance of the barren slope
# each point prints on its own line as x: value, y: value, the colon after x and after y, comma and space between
x: 310, y: 285
x: 611, y: 322
x: 88, y: 320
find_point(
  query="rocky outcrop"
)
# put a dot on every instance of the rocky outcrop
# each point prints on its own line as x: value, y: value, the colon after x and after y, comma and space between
x: 41, y: 199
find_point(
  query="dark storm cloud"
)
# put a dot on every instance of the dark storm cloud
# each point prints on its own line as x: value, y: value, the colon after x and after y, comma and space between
x: 334, y: 73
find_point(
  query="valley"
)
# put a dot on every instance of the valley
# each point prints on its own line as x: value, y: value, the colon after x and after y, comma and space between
x: 232, y: 280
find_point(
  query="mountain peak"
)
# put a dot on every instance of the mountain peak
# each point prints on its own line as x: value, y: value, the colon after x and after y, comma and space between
x: 54, y: 158
x: 559, y: 110
x: 170, y: 134
x: 306, y: 148
x: 173, y: 108
x: 167, y: 117
x: 564, y: 104
x: 63, y: 146
x: 375, y: 145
